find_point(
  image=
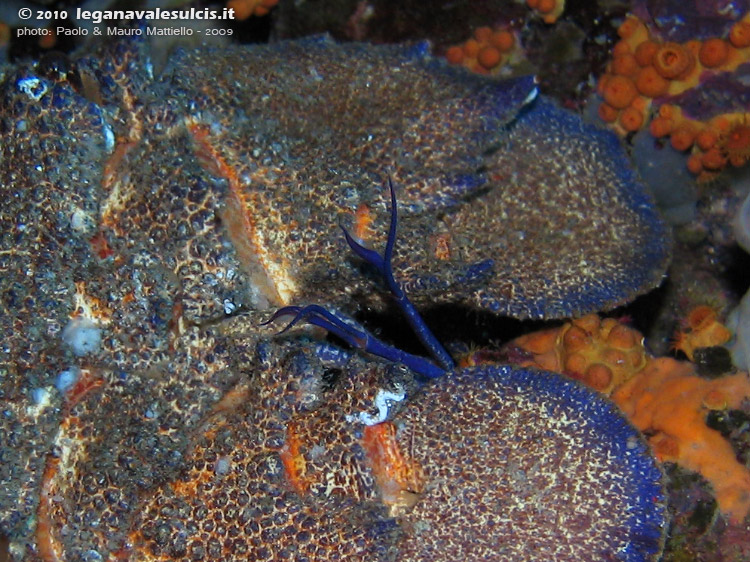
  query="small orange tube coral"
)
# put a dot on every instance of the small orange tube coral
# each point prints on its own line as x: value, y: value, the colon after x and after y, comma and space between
x: 739, y: 35
x: 619, y: 91
x: 503, y: 40
x: 629, y: 27
x: 631, y: 119
x: 454, y: 54
x: 550, y: 10
x: 682, y: 137
x: 736, y: 143
x: 713, y: 159
x: 545, y: 6
x: 645, y: 52
x: 621, y: 48
x: 706, y: 139
x: 625, y: 64
x: 670, y: 401
x: 650, y: 83
x: 483, y: 34
x: 673, y: 60
x: 489, y: 57
x: 713, y: 52
x: 607, y: 113
x: 471, y: 48
x: 660, y: 127
x: 694, y: 164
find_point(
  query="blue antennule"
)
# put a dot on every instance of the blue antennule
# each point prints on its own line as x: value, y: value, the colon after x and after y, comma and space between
x: 355, y: 335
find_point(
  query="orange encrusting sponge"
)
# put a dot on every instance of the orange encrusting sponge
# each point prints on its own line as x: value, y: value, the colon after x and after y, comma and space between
x: 670, y: 401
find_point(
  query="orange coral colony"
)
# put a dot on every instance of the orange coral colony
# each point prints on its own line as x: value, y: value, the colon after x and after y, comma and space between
x: 664, y: 398
x: 643, y: 69
x: 715, y: 143
x: 619, y: 92
x: 603, y: 353
x: 486, y: 52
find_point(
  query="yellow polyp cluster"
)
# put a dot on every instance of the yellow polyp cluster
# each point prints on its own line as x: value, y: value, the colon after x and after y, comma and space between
x: 603, y: 353
x: 487, y: 51
x: 549, y: 10
x: 643, y: 69
x: 243, y: 9
x: 702, y: 329
x: 664, y: 398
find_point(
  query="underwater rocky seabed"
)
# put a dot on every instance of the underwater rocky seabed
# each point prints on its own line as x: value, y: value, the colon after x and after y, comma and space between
x: 707, y: 265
